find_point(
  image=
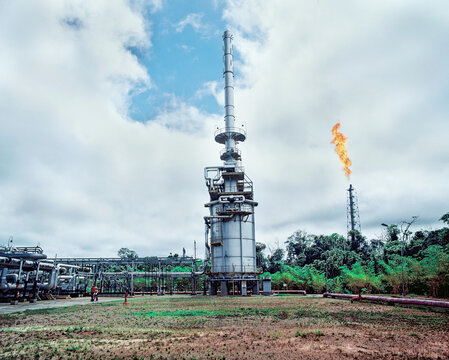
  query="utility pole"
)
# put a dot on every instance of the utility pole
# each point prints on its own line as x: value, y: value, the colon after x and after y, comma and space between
x: 194, y: 252
x: 404, y: 235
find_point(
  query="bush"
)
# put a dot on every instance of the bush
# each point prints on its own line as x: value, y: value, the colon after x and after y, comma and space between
x: 360, y: 277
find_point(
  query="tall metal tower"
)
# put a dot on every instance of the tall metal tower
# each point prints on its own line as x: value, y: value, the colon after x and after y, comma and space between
x: 230, y: 230
x: 352, y: 213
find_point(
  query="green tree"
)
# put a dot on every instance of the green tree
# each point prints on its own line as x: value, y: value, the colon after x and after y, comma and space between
x: 445, y: 218
x: 261, y: 260
x: 275, y: 260
x: 392, y: 247
x: 358, y: 242
x: 436, y: 268
x: 296, y: 247
x: 125, y: 253
x: 359, y: 278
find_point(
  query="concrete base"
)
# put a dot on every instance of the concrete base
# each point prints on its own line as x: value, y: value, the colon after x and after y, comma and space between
x: 266, y: 283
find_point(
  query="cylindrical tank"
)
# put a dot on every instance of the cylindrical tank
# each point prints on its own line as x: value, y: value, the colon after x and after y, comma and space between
x: 233, y: 241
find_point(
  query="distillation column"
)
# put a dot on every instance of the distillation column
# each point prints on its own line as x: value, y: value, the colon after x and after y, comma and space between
x: 230, y: 230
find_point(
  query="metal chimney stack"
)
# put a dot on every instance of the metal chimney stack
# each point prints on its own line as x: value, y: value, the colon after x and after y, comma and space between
x: 230, y: 230
x: 352, y: 214
x: 228, y: 74
x: 230, y: 134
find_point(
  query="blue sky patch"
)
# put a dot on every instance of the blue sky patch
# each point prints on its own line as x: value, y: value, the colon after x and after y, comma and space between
x: 186, y: 52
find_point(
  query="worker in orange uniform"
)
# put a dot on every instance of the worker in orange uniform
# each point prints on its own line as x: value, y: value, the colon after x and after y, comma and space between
x: 93, y: 293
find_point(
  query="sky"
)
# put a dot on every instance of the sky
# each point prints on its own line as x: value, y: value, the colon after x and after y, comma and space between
x: 108, y: 108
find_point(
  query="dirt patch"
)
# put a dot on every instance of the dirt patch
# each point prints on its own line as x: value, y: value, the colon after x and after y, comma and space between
x: 287, y: 327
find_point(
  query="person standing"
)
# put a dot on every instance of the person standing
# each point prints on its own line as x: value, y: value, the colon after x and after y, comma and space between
x: 93, y: 293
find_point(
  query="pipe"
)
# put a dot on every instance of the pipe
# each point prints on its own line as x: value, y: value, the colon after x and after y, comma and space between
x: 52, y: 282
x: 206, y: 244
x: 12, y: 263
x: 66, y: 277
x: 68, y: 266
x: 35, y: 284
x: 31, y: 256
x: 3, y: 282
x: 389, y: 300
x: 302, y: 292
x: 206, y: 218
x: 12, y: 278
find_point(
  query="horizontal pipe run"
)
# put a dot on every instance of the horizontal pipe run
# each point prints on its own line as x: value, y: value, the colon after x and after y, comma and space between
x: 302, y: 292
x: 389, y: 300
x: 155, y: 274
x: 28, y: 256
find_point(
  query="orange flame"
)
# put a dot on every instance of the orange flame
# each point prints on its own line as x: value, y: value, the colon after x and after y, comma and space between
x: 340, y: 148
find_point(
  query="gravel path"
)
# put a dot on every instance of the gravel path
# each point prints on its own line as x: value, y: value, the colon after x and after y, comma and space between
x: 6, y: 308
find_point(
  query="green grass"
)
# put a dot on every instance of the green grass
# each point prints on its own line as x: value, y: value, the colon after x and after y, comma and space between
x: 165, y: 327
x: 211, y: 313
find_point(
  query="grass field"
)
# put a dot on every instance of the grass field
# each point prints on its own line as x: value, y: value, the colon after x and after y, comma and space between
x: 281, y: 327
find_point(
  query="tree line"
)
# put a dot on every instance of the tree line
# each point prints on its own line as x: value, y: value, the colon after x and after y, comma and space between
x: 354, y: 264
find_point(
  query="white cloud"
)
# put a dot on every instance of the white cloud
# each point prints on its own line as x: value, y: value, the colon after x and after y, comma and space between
x: 211, y: 88
x: 195, y: 20
x: 179, y: 116
x: 186, y: 48
x: 380, y: 68
x: 81, y: 178
x: 76, y: 174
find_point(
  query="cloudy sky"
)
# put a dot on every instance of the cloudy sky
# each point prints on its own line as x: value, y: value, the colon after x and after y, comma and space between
x: 107, y: 113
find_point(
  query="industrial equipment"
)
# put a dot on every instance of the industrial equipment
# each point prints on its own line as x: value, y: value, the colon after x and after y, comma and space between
x: 230, y: 227
x: 27, y: 274
x: 352, y: 214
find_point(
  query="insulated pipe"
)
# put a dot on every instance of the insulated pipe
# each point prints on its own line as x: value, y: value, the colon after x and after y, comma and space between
x: 66, y: 277
x: 3, y: 283
x: 35, y: 284
x: 12, y: 278
x: 68, y: 266
x: 53, y: 279
x: 389, y: 300
x: 219, y: 217
x: 12, y: 263
x: 31, y: 256
x: 206, y: 242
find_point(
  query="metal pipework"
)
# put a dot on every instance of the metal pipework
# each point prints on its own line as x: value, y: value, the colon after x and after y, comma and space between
x: 389, y: 300
x: 28, y: 265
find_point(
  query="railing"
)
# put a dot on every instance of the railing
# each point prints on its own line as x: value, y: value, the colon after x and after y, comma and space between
x: 238, y: 269
x: 216, y: 241
x: 237, y: 208
x: 235, y: 150
x: 153, y: 260
x: 26, y: 249
x: 230, y: 130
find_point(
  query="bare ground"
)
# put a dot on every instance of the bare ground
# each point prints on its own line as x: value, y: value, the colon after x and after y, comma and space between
x: 283, y: 327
